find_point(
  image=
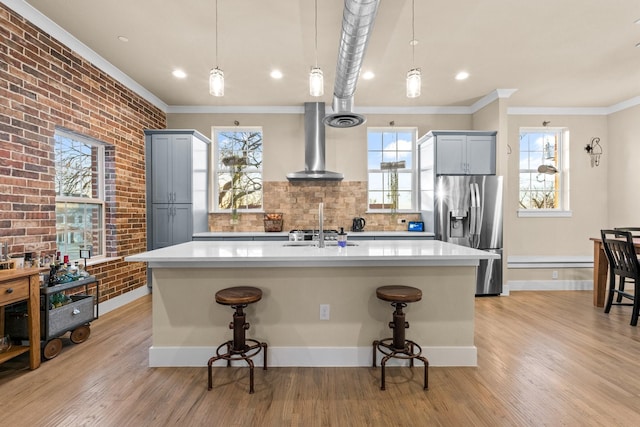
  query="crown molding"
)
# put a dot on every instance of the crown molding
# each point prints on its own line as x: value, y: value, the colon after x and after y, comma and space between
x: 630, y: 103
x: 41, y: 21
x: 247, y: 109
x: 558, y: 111
x: 491, y: 97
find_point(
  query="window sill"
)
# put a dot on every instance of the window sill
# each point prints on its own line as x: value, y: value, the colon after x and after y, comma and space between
x: 544, y: 213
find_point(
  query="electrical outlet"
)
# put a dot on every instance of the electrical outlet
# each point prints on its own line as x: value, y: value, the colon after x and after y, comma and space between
x: 325, y: 311
x: 402, y: 221
x: 554, y: 275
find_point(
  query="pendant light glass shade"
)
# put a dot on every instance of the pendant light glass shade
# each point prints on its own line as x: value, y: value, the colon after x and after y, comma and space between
x: 216, y: 82
x: 316, y: 82
x: 414, y: 83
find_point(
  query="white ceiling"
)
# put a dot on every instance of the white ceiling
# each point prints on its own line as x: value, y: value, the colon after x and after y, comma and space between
x: 556, y: 53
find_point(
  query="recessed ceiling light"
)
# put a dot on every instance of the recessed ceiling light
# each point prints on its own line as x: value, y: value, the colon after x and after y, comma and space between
x: 179, y: 74
x: 414, y: 42
x: 637, y: 21
x: 276, y: 74
x: 368, y: 75
x: 123, y: 39
x: 638, y: 44
x: 462, y: 75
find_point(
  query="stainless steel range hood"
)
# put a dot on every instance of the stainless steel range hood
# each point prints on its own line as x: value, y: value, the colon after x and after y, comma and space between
x: 314, y: 147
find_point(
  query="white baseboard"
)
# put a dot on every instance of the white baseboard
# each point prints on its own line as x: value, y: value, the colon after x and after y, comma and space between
x: 124, y: 299
x: 311, y: 356
x: 548, y: 285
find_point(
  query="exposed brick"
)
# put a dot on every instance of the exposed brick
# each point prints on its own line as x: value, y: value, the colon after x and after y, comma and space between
x: 44, y: 85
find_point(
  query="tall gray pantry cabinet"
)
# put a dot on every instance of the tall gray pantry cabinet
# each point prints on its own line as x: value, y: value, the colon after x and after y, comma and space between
x: 177, y: 185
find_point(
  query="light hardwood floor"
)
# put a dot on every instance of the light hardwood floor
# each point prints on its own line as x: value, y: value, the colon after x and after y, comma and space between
x: 544, y: 359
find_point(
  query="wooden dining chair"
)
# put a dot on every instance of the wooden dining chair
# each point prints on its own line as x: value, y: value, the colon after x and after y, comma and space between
x: 623, y: 264
x: 635, y: 231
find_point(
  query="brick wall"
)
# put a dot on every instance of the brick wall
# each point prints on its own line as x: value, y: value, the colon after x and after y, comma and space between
x: 43, y: 85
x: 298, y: 201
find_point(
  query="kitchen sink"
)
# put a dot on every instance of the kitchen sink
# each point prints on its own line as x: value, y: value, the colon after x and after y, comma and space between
x: 315, y: 244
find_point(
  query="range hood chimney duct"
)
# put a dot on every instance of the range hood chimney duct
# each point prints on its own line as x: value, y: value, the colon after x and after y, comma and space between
x: 314, y: 144
x: 357, y: 23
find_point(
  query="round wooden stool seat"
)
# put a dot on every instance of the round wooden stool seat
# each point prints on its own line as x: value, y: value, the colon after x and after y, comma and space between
x: 238, y: 295
x: 399, y: 293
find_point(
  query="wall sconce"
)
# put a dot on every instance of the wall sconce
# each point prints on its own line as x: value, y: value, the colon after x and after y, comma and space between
x: 594, y: 150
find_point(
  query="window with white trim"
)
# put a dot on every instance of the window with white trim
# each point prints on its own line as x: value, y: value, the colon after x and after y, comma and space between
x: 80, y: 194
x: 543, y: 170
x: 391, y: 169
x: 237, y: 170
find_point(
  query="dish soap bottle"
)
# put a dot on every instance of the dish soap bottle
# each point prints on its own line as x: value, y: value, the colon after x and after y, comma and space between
x: 342, y: 238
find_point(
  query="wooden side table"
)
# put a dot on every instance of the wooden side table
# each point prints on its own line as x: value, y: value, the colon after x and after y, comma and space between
x: 17, y: 285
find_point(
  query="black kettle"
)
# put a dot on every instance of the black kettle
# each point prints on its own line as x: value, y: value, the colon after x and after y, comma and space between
x: 358, y: 224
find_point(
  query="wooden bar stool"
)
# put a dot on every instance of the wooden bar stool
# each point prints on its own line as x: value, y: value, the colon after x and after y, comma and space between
x: 398, y: 346
x: 238, y: 298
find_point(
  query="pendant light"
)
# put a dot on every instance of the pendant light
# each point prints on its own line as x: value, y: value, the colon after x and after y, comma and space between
x: 414, y: 76
x: 316, y: 79
x: 216, y: 75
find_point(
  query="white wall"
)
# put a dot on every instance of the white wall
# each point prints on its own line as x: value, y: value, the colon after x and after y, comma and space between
x: 622, y: 154
x: 346, y: 149
x: 588, y: 192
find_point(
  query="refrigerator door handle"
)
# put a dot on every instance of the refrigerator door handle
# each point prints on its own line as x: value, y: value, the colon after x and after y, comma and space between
x: 476, y: 219
x: 472, y: 216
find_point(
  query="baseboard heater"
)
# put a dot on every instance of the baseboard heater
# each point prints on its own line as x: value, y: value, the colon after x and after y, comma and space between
x: 524, y: 261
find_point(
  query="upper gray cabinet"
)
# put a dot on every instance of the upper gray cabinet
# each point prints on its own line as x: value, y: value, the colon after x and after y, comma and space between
x: 464, y: 152
x: 171, y: 160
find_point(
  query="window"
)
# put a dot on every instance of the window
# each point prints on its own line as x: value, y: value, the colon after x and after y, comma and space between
x: 237, y: 169
x: 391, y: 169
x: 79, y: 186
x: 543, y: 171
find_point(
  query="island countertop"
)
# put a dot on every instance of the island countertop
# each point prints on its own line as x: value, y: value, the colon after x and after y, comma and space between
x: 202, y: 254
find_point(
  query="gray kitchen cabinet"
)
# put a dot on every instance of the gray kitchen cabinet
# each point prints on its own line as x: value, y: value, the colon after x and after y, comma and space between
x: 464, y: 152
x: 172, y: 223
x: 171, y: 163
x: 177, y: 185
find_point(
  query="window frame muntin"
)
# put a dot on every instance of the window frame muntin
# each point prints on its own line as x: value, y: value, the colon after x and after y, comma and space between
x: 215, y: 152
x: 564, y: 174
x: 413, y: 130
x: 101, y: 187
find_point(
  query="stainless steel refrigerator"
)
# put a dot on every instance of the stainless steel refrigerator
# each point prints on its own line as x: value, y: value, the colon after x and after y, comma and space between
x: 468, y: 212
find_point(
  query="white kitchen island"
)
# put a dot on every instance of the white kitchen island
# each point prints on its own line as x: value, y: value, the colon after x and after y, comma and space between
x: 188, y: 324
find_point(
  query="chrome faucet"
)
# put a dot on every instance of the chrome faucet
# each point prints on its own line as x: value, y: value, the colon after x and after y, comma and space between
x: 321, y: 227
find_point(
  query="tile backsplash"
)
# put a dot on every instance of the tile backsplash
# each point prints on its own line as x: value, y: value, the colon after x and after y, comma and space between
x: 298, y: 201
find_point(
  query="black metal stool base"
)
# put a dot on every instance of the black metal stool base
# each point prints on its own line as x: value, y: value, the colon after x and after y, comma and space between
x: 245, y: 353
x: 410, y: 351
x: 237, y: 348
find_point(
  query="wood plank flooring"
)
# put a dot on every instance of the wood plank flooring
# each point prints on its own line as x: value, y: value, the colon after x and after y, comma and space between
x: 544, y: 359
